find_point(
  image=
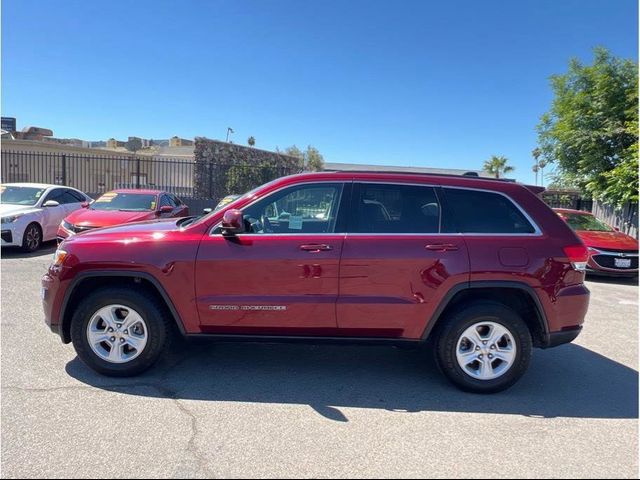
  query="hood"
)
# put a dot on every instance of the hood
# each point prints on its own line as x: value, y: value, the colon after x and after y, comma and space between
x: 608, y: 240
x: 86, y: 217
x: 139, y: 231
x: 9, y: 209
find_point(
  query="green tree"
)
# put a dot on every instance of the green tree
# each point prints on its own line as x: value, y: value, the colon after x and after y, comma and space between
x: 497, y: 166
x: 313, y: 159
x: 251, y: 141
x: 590, y: 133
x: 294, y: 151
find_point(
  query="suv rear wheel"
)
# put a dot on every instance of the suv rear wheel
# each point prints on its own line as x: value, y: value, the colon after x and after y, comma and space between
x: 119, y: 332
x: 484, y: 348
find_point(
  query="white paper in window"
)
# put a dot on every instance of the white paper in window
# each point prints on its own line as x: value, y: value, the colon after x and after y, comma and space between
x: 295, y: 222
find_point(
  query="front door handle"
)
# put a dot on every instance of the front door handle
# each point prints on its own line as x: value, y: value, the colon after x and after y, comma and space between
x: 442, y: 247
x: 315, y: 248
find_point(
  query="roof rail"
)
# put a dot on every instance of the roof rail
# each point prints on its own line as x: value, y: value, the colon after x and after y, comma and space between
x: 448, y: 175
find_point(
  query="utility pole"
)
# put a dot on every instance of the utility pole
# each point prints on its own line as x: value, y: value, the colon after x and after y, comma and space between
x: 229, y: 130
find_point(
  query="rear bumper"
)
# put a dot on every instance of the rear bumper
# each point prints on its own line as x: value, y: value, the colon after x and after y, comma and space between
x: 555, y: 339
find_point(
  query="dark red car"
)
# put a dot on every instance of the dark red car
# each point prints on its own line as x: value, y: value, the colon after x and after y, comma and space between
x: 122, y: 206
x: 611, y: 252
x: 480, y: 268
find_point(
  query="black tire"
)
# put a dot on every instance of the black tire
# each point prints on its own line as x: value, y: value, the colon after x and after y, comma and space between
x: 159, y: 329
x: 454, y: 326
x: 31, y: 238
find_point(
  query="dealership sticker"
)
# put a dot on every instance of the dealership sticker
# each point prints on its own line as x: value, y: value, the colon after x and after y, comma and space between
x: 295, y: 222
x: 107, y: 197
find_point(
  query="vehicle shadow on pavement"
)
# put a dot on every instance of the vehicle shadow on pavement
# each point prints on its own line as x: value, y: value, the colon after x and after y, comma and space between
x: 568, y: 381
x: 47, y: 249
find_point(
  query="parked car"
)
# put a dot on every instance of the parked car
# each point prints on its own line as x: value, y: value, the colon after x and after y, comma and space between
x: 123, y: 206
x: 611, y: 252
x: 481, y: 268
x: 31, y: 212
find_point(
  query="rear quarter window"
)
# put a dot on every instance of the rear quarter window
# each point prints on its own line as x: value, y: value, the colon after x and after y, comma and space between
x: 475, y: 211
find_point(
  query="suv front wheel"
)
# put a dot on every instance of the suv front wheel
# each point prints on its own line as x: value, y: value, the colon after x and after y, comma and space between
x: 119, y: 332
x: 484, y: 348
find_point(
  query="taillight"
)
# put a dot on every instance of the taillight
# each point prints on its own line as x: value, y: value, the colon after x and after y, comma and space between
x: 578, y: 255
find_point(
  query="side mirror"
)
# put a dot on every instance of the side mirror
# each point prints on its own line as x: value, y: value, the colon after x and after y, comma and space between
x: 165, y: 209
x: 617, y: 229
x: 51, y: 203
x: 232, y: 222
x: 84, y: 204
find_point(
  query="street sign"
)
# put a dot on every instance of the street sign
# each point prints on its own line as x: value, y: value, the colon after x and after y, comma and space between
x: 9, y: 124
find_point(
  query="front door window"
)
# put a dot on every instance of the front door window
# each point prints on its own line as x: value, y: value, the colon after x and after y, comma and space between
x: 296, y: 210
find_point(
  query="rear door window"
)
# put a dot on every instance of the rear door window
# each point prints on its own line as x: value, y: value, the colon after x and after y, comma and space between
x: 388, y: 208
x: 476, y: 211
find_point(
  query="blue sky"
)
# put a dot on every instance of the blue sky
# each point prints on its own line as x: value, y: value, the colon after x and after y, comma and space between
x: 442, y: 83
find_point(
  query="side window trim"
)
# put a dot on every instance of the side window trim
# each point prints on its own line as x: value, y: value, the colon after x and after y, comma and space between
x: 536, y: 233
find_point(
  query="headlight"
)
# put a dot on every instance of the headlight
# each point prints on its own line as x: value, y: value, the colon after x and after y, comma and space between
x: 58, y: 257
x: 10, y: 219
x: 66, y: 225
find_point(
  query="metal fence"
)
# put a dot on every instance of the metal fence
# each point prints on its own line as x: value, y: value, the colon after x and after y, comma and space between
x: 205, y: 182
x: 567, y: 199
x: 625, y: 218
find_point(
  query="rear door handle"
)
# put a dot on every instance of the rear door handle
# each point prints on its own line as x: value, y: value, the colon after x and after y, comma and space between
x: 442, y: 247
x: 315, y: 248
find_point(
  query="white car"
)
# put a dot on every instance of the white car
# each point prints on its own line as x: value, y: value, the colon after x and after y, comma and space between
x: 32, y: 212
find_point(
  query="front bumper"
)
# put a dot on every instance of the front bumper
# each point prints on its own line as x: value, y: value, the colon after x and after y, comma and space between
x: 603, y: 262
x: 11, y: 237
x: 52, y: 299
x: 63, y: 234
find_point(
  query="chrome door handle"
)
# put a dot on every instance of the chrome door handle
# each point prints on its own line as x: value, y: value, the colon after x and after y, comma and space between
x: 315, y: 248
x: 442, y: 247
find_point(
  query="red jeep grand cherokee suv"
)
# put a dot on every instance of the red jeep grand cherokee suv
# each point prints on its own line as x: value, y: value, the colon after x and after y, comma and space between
x: 480, y: 267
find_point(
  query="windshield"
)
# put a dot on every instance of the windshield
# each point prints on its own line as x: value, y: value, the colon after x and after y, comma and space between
x: 586, y: 222
x: 130, y: 202
x: 241, y: 197
x: 20, y: 195
x: 226, y: 200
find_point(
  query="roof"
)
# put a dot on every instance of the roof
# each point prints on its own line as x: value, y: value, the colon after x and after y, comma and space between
x: 35, y: 185
x: 447, y: 180
x: 344, y: 167
x: 141, y: 191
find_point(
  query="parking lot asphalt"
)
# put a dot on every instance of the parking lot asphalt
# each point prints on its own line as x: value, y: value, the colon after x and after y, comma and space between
x: 257, y: 410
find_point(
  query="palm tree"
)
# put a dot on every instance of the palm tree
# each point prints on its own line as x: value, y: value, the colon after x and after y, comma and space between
x: 497, y: 165
x: 539, y: 165
x: 251, y: 141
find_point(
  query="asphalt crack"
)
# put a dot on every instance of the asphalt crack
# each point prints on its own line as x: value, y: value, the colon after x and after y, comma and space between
x: 202, y: 469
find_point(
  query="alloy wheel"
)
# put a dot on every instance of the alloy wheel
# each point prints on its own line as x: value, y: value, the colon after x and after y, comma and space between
x: 117, y: 334
x: 32, y: 237
x: 486, y: 350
